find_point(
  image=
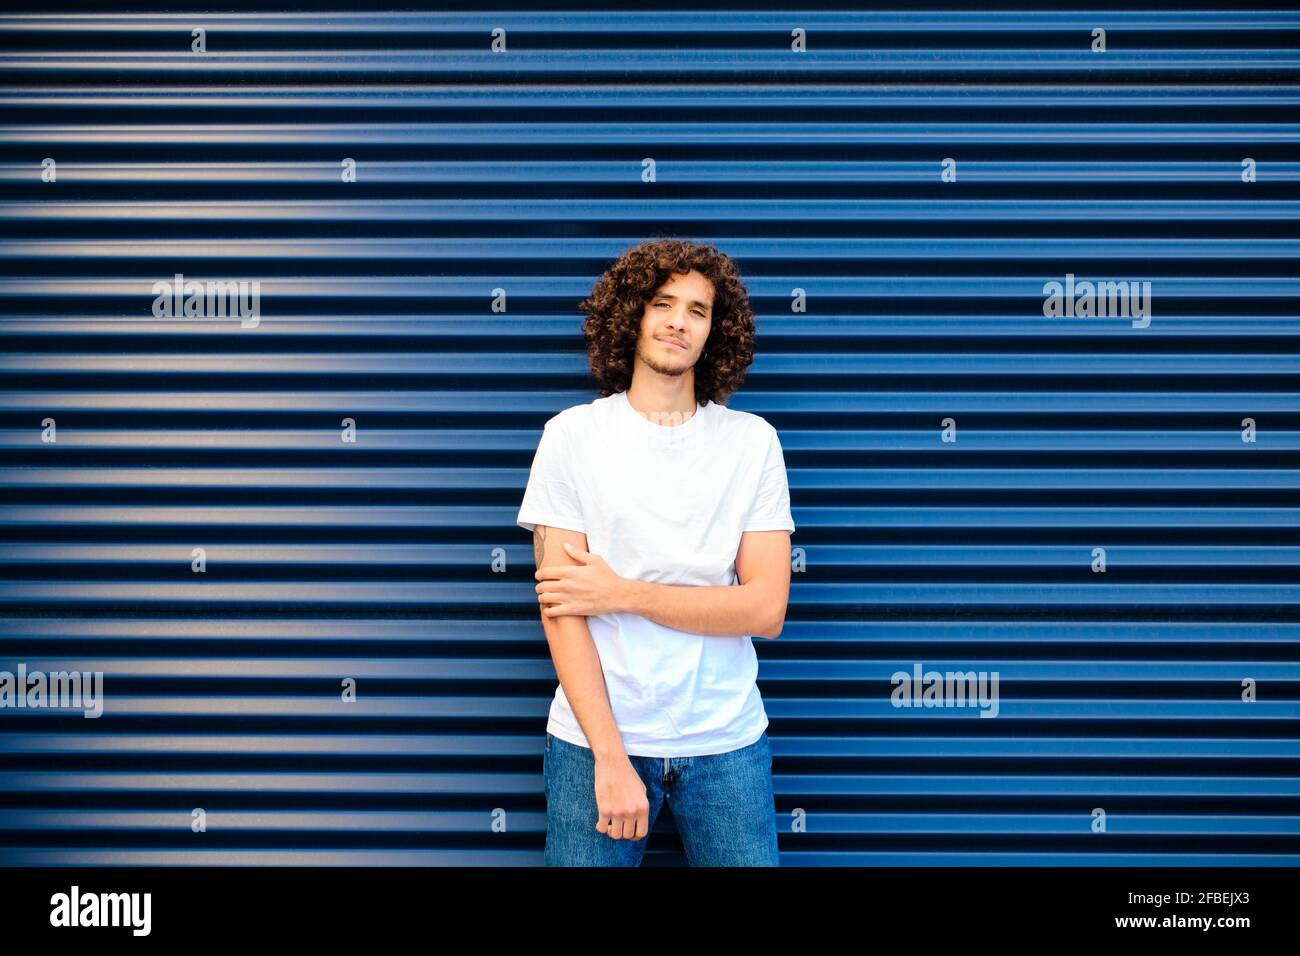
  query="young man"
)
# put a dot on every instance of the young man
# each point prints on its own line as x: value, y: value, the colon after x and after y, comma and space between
x: 661, y: 529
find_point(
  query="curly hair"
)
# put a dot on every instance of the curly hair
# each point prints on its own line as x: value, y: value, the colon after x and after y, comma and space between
x: 617, y: 304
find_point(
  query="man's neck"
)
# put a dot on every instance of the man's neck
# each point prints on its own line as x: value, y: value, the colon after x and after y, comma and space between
x: 664, y: 396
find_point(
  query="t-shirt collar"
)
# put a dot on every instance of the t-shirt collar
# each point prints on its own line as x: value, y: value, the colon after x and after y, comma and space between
x: 676, y: 430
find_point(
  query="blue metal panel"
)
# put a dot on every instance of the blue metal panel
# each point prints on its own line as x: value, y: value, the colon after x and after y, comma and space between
x: 394, y: 560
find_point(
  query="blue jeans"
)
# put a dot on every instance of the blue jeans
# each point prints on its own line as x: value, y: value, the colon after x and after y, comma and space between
x: 723, y: 805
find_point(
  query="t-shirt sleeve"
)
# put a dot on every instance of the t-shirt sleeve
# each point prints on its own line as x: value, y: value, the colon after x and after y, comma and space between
x: 551, y: 497
x: 771, y: 508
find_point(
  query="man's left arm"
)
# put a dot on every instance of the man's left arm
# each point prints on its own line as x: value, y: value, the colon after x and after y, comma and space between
x: 754, y: 607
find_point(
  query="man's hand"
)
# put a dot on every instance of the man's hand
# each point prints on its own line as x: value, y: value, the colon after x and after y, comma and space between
x: 587, y: 588
x: 621, y: 800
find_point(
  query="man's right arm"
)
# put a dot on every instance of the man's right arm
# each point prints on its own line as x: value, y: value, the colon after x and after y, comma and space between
x: 577, y: 663
x: 622, y: 805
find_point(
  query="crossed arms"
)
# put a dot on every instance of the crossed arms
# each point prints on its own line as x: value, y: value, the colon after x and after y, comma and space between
x: 575, y: 584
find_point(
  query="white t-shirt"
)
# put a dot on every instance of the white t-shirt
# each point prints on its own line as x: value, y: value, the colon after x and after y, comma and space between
x: 665, y: 503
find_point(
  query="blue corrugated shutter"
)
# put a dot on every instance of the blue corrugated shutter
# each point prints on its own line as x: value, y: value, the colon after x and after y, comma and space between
x: 394, y: 559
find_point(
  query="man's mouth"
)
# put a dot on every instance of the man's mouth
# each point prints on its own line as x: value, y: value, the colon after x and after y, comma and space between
x: 673, y: 343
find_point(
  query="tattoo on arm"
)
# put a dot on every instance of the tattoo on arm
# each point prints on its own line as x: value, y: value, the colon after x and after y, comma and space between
x: 539, y: 543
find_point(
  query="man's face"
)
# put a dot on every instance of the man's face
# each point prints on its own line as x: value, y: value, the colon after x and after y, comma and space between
x: 681, y: 311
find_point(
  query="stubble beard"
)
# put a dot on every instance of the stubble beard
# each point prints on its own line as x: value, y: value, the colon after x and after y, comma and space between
x: 662, y: 369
